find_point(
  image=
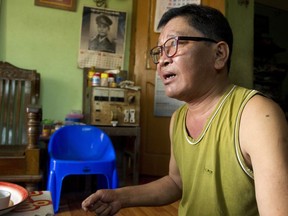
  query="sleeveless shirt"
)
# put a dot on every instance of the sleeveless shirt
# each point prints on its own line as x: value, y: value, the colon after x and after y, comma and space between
x: 215, y: 179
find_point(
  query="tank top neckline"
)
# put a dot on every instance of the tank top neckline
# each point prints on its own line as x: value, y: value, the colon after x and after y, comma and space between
x: 193, y: 141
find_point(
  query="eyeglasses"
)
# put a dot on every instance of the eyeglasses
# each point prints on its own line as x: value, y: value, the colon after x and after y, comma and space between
x: 170, y: 46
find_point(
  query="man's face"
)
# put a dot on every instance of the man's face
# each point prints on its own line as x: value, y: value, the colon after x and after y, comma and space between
x: 186, y: 74
x: 102, y: 29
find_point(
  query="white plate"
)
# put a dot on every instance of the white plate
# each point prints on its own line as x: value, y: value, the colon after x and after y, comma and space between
x: 18, y: 195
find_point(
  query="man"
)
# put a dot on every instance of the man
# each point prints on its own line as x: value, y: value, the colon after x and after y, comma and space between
x: 229, y: 145
x: 101, y: 42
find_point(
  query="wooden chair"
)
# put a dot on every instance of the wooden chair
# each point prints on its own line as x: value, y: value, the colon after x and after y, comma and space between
x: 20, y: 119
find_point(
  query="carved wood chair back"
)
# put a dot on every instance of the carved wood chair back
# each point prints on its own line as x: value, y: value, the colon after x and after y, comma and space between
x: 18, y: 89
x: 20, y: 118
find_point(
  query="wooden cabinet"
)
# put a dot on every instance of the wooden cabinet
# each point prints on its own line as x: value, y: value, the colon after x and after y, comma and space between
x: 105, y: 106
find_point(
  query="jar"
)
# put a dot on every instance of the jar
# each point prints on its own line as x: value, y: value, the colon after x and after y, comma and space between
x: 90, y: 76
x: 104, y: 79
x: 46, y: 131
x: 111, y: 79
x: 121, y: 76
x: 113, y: 85
x: 96, y: 79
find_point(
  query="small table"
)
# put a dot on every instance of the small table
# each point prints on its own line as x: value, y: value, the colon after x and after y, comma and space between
x: 128, y: 132
x: 38, y: 203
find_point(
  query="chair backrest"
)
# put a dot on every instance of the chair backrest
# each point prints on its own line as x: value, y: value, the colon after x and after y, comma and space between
x: 81, y: 142
x: 18, y: 89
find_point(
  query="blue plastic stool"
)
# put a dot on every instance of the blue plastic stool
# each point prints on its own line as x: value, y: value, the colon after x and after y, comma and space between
x: 80, y: 150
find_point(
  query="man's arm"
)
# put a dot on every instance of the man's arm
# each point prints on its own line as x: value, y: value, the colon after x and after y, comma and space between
x: 264, y: 143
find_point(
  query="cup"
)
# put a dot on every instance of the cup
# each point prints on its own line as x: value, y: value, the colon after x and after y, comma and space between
x: 4, y: 199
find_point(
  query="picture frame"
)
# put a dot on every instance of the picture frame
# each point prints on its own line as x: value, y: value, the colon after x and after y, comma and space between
x: 69, y: 5
x: 103, y: 36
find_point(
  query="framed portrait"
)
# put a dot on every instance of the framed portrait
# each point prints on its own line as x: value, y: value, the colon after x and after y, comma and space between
x: 69, y: 5
x: 102, y: 42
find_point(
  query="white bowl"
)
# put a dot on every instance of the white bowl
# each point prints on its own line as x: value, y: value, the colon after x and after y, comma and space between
x: 18, y: 195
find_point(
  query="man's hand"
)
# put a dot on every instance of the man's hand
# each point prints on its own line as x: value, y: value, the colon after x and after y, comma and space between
x: 102, y: 202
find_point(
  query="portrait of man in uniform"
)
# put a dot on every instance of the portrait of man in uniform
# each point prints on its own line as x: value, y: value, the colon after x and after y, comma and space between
x: 102, y: 42
x: 103, y: 36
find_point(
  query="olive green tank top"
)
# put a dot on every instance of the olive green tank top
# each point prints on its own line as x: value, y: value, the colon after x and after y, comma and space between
x: 214, y: 176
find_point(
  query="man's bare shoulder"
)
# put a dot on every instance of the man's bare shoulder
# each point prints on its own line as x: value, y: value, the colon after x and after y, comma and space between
x: 263, y: 126
x: 264, y: 144
x: 260, y: 107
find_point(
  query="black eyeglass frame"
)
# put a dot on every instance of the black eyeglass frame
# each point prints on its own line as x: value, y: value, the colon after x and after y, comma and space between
x: 177, y: 38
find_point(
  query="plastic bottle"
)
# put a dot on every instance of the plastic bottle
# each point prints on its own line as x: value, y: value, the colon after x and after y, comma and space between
x: 96, y: 79
x: 121, y: 76
x: 111, y: 79
x: 104, y: 79
x: 90, y: 75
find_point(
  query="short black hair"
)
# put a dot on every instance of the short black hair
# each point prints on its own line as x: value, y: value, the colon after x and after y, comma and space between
x: 209, y: 21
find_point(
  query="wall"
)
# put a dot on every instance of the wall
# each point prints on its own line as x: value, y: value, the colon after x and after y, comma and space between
x: 241, y: 20
x: 279, y: 35
x: 280, y: 4
x: 47, y: 40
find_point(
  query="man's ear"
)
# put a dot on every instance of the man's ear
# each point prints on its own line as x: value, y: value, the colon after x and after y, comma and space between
x: 222, y: 53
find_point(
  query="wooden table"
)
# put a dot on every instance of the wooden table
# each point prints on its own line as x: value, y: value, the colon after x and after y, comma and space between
x: 38, y: 203
x: 128, y: 132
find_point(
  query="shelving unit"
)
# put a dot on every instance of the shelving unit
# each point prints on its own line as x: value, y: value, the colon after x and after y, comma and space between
x: 100, y: 108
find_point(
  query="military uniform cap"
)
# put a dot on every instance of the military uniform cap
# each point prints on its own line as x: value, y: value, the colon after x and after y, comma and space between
x: 102, y: 19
